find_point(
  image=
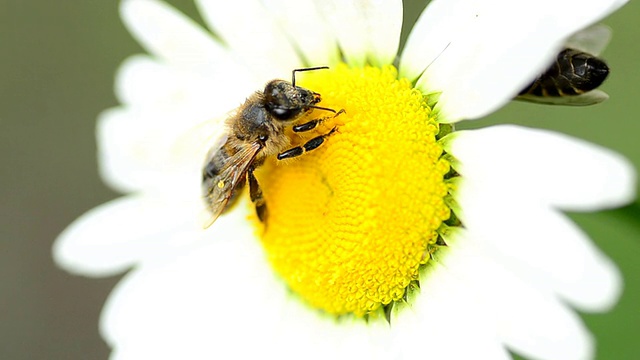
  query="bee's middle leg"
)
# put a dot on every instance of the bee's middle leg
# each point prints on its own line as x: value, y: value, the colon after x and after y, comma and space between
x: 255, y: 193
x: 308, y: 146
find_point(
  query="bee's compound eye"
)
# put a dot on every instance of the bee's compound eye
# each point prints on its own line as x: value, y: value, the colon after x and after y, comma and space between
x: 285, y: 113
x: 263, y: 138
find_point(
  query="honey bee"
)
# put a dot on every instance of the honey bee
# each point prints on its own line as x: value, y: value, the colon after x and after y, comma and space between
x: 576, y: 73
x: 255, y: 132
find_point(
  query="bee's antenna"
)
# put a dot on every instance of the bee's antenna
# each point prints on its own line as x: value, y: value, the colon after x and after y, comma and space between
x: 324, y: 108
x: 293, y: 73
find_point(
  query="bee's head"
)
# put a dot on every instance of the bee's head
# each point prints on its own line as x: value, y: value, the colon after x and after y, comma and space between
x: 287, y: 102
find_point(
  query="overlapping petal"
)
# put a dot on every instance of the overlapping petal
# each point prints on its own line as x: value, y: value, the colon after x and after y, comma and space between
x: 114, y: 236
x: 170, y: 35
x: 200, y: 291
x: 448, y: 311
x: 146, y: 150
x: 523, y: 312
x: 540, y: 253
x: 498, y: 200
x: 480, y: 54
x: 144, y: 82
x: 249, y: 30
x: 559, y: 170
x: 348, y: 26
x: 364, y: 30
x: 305, y: 27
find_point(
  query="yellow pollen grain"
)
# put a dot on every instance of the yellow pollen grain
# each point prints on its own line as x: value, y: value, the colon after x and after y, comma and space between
x: 350, y: 222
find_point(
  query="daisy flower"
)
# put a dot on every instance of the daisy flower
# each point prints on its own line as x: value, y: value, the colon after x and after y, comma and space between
x: 399, y: 237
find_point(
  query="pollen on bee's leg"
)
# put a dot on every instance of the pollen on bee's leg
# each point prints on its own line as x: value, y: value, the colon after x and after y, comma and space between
x: 353, y: 220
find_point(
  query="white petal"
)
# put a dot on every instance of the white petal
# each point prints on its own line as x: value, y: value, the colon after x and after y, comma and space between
x: 127, y: 158
x: 169, y: 34
x: 565, y: 172
x: 540, y: 244
x: 303, y: 332
x: 220, y: 312
x: 116, y: 235
x: 348, y: 26
x: 437, y: 26
x: 146, y: 151
x: 193, y: 69
x: 213, y: 296
x: 303, y: 24
x: 366, y: 30
x: 187, y: 305
x: 253, y: 36
x: 488, y: 51
x: 383, y: 26
x: 531, y: 322
x: 445, y: 322
x: 144, y: 82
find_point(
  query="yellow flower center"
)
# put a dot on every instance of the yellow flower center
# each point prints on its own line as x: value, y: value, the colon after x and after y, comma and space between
x: 350, y: 223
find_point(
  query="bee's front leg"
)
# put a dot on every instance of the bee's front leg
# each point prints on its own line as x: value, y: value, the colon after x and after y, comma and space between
x: 310, y: 125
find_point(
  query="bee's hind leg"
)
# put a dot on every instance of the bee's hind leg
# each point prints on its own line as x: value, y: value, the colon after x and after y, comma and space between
x: 308, y: 146
x: 256, y: 195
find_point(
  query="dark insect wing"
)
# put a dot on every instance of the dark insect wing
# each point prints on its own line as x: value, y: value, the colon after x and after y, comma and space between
x: 592, y: 40
x: 589, y: 98
x: 231, y: 175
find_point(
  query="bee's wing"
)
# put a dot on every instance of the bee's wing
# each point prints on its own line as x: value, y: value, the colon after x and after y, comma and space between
x: 199, y: 138
x: 589, y: 98
x: 592, y: 40
x: 230, y: 176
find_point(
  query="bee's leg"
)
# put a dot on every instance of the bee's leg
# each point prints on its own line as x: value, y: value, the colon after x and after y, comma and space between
x: 308, y: 146
x: 315, y: 122
x: 256, y: 195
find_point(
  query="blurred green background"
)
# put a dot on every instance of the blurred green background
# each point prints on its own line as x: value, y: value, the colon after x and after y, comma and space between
x: 57, y: 66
